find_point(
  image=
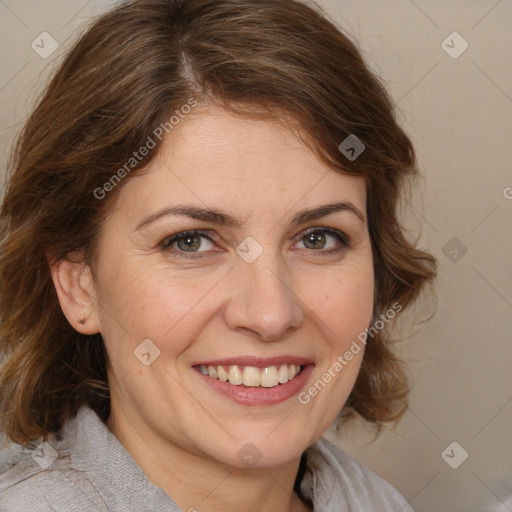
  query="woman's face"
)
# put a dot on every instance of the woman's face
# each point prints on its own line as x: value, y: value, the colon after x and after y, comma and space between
x: 266, y: 277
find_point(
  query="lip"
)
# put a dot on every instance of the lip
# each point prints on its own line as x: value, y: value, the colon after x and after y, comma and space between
x: 258, y: 362
x: 254, y: 396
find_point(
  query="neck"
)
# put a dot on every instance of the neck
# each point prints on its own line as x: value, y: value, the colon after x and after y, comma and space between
x: 201, y: 484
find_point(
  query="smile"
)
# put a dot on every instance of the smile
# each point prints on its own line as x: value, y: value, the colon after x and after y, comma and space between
x: 252, y: 376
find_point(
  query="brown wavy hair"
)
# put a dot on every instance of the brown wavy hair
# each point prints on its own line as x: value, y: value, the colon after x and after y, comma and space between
x: 127, y: 73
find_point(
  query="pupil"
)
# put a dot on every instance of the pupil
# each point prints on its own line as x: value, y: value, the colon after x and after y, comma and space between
x: 315, y: 239
x: 189, y: 242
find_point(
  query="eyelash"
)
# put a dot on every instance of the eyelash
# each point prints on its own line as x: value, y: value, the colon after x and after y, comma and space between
x: 341, y: 237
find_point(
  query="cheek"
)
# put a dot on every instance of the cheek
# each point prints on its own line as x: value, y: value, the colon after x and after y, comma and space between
x: 344, y: 305
x: 152, y: 303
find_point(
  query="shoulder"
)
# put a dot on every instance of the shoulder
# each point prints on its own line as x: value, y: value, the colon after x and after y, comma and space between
x: 28, y: 487
x: 362, y: 489
x: 82, y: 467
x: 48, y: 479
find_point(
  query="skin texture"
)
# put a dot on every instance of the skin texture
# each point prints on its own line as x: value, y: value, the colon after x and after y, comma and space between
x: 294, y: 299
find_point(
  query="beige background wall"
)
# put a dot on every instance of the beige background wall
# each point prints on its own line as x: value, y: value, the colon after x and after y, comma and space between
x: 459, y: 113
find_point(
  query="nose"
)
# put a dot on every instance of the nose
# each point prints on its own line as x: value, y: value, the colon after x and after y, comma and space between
x: 262, y: 302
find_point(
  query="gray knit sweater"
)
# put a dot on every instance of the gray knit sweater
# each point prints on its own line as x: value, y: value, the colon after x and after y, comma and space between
x: 89, y: 470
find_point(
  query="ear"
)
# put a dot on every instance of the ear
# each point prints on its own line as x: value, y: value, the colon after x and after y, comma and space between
x: 77, y: 297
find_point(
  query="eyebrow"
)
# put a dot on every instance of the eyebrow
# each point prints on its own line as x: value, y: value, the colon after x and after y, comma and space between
x: 225, y: 219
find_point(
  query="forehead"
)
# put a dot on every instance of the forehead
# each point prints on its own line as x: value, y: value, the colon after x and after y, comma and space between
x: 213, y: 156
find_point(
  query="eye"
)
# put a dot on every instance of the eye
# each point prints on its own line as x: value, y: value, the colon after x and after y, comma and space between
x: 189, y: 242
x: 324, y: 240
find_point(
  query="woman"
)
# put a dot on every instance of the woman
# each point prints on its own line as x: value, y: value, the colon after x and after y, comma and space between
x: 200, y: 258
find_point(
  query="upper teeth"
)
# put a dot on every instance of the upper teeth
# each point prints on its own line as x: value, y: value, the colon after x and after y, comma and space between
x: 251, y: 375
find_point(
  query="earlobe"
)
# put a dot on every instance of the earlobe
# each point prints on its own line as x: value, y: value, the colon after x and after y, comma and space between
x: 75, y: 290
